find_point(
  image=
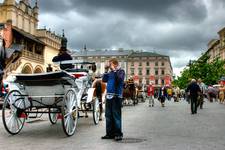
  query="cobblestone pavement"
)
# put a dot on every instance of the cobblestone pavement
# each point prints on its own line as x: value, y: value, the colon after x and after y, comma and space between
x: 157, y: 128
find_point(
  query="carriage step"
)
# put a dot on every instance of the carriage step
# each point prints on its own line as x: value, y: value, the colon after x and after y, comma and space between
x: 32, y: 117
x: 35, y: 121
x: 83, y: 116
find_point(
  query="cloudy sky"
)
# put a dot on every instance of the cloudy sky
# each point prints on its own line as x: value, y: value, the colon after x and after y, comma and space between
x: 178, y: 28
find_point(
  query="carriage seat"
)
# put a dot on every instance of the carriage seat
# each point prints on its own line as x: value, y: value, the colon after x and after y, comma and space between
x: 77, y: 73
x: 77, y: 70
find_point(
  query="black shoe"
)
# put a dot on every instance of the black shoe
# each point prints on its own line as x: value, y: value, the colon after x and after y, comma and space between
x: 118, y: 138
x: 107, y: 137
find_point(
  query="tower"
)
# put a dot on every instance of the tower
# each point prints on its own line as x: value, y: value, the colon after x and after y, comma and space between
x: 36, y: 13
x: 63, y: 42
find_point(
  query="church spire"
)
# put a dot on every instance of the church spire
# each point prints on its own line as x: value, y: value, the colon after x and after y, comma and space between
x: 63, y: 41
x: 85, y: 47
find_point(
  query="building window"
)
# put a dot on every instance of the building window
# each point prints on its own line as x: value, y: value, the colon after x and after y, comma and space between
x: 147, y: 82
x: 162, y: 63
x: 147, y: 63
x: 132, y: 71
x: 163, y: 72
x: 156, y: 81
x: 162, y: 81
x: 140, y: 81
x: 140, y: 71
x: 147, y: 72
x: 156, y: 72
x: 140, y: 63
x: 132, y: 63
x: 156, y: 63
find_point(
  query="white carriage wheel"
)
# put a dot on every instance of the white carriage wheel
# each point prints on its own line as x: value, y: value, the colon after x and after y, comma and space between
x: 53, y: 116
x: 96, y: 111
x: 69, y: 113
x: 13, y: 103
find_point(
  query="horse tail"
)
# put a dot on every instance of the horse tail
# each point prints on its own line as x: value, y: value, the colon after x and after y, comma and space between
x: 98, y: 89
x: 2, y: 54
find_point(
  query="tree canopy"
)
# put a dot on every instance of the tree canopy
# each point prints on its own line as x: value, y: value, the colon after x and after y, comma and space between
x: 209, y: 73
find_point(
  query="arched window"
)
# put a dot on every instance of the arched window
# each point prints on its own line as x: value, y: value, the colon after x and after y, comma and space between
x: 38, y: 69
x: 27, y: 69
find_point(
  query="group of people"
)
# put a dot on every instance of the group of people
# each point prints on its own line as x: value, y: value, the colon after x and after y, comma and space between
x: 162, y: 93
x: 195, y: 90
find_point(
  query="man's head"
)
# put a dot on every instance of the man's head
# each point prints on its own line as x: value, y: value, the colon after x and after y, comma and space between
x: 193, y: 80
x: 113, y: 63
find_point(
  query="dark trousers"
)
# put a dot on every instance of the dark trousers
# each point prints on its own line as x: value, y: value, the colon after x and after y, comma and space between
x: 113, y: 117
x: 194, y: 104
x: 162, y: 99
x: 201, y: 101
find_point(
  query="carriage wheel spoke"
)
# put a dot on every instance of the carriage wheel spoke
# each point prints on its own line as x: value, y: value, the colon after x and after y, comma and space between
x: 70, y: 113
x: 9, y: 119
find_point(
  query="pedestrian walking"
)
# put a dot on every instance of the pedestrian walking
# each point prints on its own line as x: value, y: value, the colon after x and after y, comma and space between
x: 202, y: 93
x: 162, y: 95
x: 194, y: 90
x: 115, y: 80
x: 221, y: 93
x: 150, y: 91
x: 169, y: 93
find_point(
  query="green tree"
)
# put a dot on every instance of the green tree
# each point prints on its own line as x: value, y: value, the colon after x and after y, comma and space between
x: 210, y: 73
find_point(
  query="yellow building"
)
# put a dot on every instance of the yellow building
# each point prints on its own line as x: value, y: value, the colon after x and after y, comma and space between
x: 38, y: 46
x: 213, y: 49
x: 216, y: 47
x: 222, y: 43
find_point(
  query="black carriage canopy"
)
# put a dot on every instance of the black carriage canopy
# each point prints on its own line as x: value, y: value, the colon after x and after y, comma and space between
x: 52, y: 78
x: 76, y: 62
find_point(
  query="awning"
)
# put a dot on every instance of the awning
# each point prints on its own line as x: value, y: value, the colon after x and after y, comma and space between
x: 27, y: 35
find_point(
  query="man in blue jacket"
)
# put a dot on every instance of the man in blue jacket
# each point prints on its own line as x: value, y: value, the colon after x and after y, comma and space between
x: 115, y: 81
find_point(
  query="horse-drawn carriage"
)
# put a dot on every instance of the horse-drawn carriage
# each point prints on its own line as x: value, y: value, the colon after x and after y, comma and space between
x: 141, y: 93
x: 129, y: 93
x: 60, y: 94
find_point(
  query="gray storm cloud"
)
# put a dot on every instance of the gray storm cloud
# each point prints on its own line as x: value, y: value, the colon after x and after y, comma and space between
x: 164, y: 26
x: 171, y: 27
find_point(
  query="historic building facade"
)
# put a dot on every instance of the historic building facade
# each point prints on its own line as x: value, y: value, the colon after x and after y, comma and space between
x: 216, y: 47
x: 144, y: 67
x: 37, y: 46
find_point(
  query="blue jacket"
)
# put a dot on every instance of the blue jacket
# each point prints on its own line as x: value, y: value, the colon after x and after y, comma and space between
x: 115, y: 81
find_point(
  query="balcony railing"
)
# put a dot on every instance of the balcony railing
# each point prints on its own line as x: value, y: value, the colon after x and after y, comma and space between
x: 33, y: 56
